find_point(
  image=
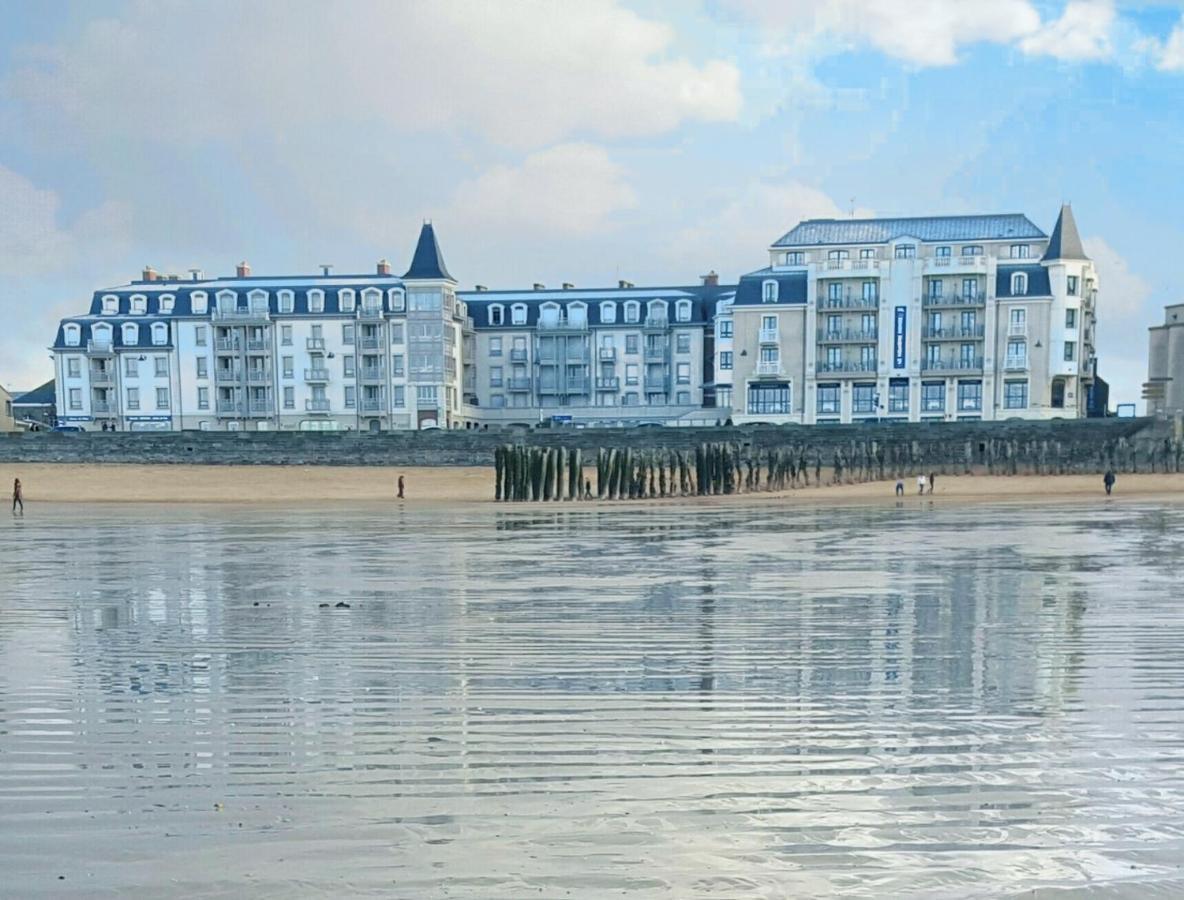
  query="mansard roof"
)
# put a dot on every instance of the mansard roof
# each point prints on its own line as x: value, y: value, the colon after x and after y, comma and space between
x: 1038, y: 283
x: 1007, y: 226
x: 428, y: 261
x: 1065, y: 242
x: 791, y: 287
x: 703, y: 299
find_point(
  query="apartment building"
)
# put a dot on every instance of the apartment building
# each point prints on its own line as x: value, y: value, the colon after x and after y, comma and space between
x: 929, y: 319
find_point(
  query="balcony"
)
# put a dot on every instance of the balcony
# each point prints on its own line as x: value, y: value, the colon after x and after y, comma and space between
x: 102, y: 407
x: 224, y: 376
x: 371, y: 342
x: 518, y: 355
x: 259, y: 408
x: 228, y: 345
x: 767, y: 369
x: 100, y: 348
x: 608, y: 384
x: 845, y: 366
x: 518, y: 384
x: 101, y: 377
x: 258, y: 345
x: 259, y: 376
x: 373, y: 405
x: 373, y: 373
x: 317, y: 405
x: 576, y: 386
x: 607, y: 354
x: 655, y: 354
x: 953, y: 300
x: 660, y: 385
x: 769, y: 336
x: 370, y: 312
x: 316, y: 375
x: 865, y: 264
x: 656, y: 323
x: 240, y: 316
x: 847, y: 336
x: 229, y: 407
x: 849, y: 302
x: 562, y: 324
x: 1016, y: 364
x: 314, y: 344
x: 974, y: 364
x: 956, y: 333
x: 838, y: 265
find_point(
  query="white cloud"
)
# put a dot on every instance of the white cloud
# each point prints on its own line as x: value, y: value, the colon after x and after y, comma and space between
x: 1083, y: 32
x: 1170, y: 55
x: 570, y: 189
x: 1123, y: 317
x: 524, y: 73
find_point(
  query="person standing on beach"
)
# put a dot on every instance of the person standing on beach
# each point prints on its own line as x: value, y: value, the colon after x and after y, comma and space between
x: 401, y: 487
x: 18, y: 497
x: 932, y: 481
x: 920, y: 484
x: 899, y: 487
x: 1108, y: 480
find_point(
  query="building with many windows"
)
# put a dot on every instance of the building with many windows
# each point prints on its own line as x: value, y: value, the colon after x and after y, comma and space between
x: 1164, y: 389
x: 945, y: 319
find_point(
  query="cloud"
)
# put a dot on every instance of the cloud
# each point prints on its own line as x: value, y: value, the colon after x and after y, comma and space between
x: 570, y: 189
x: 1082, y: 33
x: 1170, y: 54
x: 1123, y: 317
x: 523, y: 73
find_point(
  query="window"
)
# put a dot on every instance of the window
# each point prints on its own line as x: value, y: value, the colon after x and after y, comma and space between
x: 769, y: 292
x: 199, y: 302
x: 972, y: 250
x: 426, y: 394
x: 725, y: 328
x: 898, y: 396
x: 631, y: 373
x: 289, y: 365
x: 682, y: 343
x: 347, y: 333
x: 73, y: 335
x: 316, y: 301
x: 795, y: 258
x: 608, y: 313
x: 1070, y: 351
x: 828, y: 398
x: 905, y: 251
x: 345, y: 300
x: 161, y: 364
x: 497, y: 314
x: 632, y: 311
x: 934, y: 323
x: 768, y: 399
x: 397, y: 299
x: 967, y: 357
x: 289, y: 398
x: 867, y: 358
x: 199, y: 336
x: 160, y: 334
x: 133, y: 398
x: 397, y: 365
x: 723, y: 396
x: 75, y: 398
x: 1017, y: 354
x: 398, y: 397
x: 397, y: 333
x: 139, y: 304
x: 203, y: 367
x: 942, y: 252
x: 725, y: 359
x: 935, y: 290
x: 834, y: 358
x: 287, y: 301
x: 933, y: 396
x: 867, y: 253
x: 351, y: 397
x: 838, y: 254
x: 131, y: 335
x: 74, y: 367
x: 347, y: 365
x: 1019, y: 284
x: 683, y: 373
x: 932, y: 356
x: 869, y: 290
x: 495, y: 376
x: 162, y: 398
x: 495, y: 346
x: 1015, y: 394
x: 131, y: 367
x: 629, y: 398
x: 863, y: 398
x: 769, y: 324
x: 683, y: 398
x: 867, y: 323
x: 682, y: 311
x: 834, y: 291
x: 1072, y: 285
x: 1070, y: 318
x: 969, y: 322
x: 970, y: 396
x: 497, y: 401
x: 518, y: 314
x: 203, y: 398
x: 1019, y: 251
x: 167, y: 302
x: 630, y: 343
x: 110, y: 305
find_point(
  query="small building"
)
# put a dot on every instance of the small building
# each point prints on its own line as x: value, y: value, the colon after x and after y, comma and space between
x: 36, y: 408
x: 1164, y: 388
x: 7, y: 423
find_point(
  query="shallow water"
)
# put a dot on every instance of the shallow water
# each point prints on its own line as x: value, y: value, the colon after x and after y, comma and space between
x: 745, y: 701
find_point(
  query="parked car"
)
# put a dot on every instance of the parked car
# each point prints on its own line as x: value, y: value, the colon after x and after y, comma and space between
x: 67, y: 428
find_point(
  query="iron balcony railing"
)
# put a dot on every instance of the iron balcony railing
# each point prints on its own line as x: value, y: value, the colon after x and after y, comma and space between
x: 955, y: 333
x: 373, y: 404
x: 373, y: 373
x: 103, y: 348
x: 240, y: 316
x: 106, y: 376
x: 953, y: 300
x: 1017, y: 329
x: 370, y: 312
x: 317, y: 405
x: 370, y: 343
x: 657, y: 354
x: 847, y: 336
x: 562, y: 324
x: 850, y: 302
x: 226, y: 375
x: 102, y: 406
x: 657, y: 323
x: 259, y: 376
x: 259, y: 407
x: 846, y: 366
x: 229, y: 407
x: 608, y: 384
x: 228, y: 345
x: 865, y: 264
x: 257, y: 345
x: 952, y: 365
x: 316, y: 374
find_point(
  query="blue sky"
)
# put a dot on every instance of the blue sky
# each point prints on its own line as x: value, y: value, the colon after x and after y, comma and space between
x: 584, y: 142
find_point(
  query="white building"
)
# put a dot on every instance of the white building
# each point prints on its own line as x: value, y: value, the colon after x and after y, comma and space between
x: 947, y: 318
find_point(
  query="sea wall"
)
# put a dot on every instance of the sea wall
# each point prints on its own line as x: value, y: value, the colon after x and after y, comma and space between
x: 1079, y: 446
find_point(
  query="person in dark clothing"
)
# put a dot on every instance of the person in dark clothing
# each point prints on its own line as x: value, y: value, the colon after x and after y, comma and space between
x: 899, y: 487
x: 1108, y: 480
x: 932, y: 481
x: 18, y: 497
x: 401, y: 487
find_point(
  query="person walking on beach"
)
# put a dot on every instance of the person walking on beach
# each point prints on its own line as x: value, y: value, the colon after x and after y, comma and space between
x: 1108, y: 480
x: 401, y: 487
x: 899, y: 487
x: 920, y: 484
x: 18, y: 497
x: 932, y: 481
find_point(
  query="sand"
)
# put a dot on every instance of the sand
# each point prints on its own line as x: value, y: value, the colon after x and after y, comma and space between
x: 66, y: 483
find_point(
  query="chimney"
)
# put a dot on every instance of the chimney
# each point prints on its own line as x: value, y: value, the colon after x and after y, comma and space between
x: 567, y: 285
x: 243, y: 270
x: 384, y: 267
x: 479, y: 288
x: 624, y: 284
x: 326, y: 269
x: 711, y: 279
x: 149, y: 274
x: 195, y: 274
x: 539, y: 287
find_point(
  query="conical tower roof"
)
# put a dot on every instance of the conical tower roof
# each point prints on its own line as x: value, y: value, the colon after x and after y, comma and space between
x: 428, y: 261
x: 1065, y: 242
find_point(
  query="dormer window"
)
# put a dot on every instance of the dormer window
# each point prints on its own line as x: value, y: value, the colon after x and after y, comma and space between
x: 372, y: 300
x: 905, y: 251
x: 656, y: 311
x: 166, y: 303
x: 199, y: 302
x: 345, y: 298
x: 1019, y: 284
x: 131, y: 335
x: 633, y: 312
x: 577, y: 314
x: 73, y: 335
x: 227, y: 301
x: 110, y: 305
x: 608, y: 313
x: 497, y: 314
x: 397, y: 299
x: 769, y: 292
x: 160, y: 334
x: 518, y: 314
x: 258, y: 301
x: 287, y: 301
x: 316, y: 300
x: 139, y: 304
x: 682, y: 311
x: 549, y: 314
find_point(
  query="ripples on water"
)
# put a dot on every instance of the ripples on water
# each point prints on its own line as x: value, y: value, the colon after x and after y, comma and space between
x: 564, y: 702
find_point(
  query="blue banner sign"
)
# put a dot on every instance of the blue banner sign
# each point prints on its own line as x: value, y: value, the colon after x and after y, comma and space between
x: 898, y: 341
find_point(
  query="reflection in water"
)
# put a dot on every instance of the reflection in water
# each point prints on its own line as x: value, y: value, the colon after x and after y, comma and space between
x: 575, y: 702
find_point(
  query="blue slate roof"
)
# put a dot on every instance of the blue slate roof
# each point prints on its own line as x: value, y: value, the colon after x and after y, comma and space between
x: 300, y: 288
x: 428, y: 261
x: 1038, y: 285
x: 43, y: 395
x: 1065, y: 242
x: 791, y: 288
x: 87, y: 325
x: 703, y: 299
x: 813, y: 232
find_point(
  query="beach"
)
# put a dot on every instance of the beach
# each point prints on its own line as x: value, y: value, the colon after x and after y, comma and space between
x: 131, y: 483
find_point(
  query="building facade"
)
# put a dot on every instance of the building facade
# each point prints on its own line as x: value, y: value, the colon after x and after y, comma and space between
x: 7, y: 422
x: 914, y: 319
x: 1164, y: 389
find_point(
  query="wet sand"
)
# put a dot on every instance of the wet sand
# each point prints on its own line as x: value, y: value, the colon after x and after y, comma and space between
x: 65, y: 483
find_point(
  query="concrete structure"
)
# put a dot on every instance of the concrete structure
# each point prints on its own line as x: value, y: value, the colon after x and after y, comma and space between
x: 7, y: 422
x: 1164, y: 388
x: 933, y: 319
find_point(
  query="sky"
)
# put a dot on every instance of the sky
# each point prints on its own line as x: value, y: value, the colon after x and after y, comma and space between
x: 556, y: 140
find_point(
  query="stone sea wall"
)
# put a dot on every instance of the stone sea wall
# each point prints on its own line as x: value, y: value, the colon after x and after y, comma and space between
x: 1069, y: 446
